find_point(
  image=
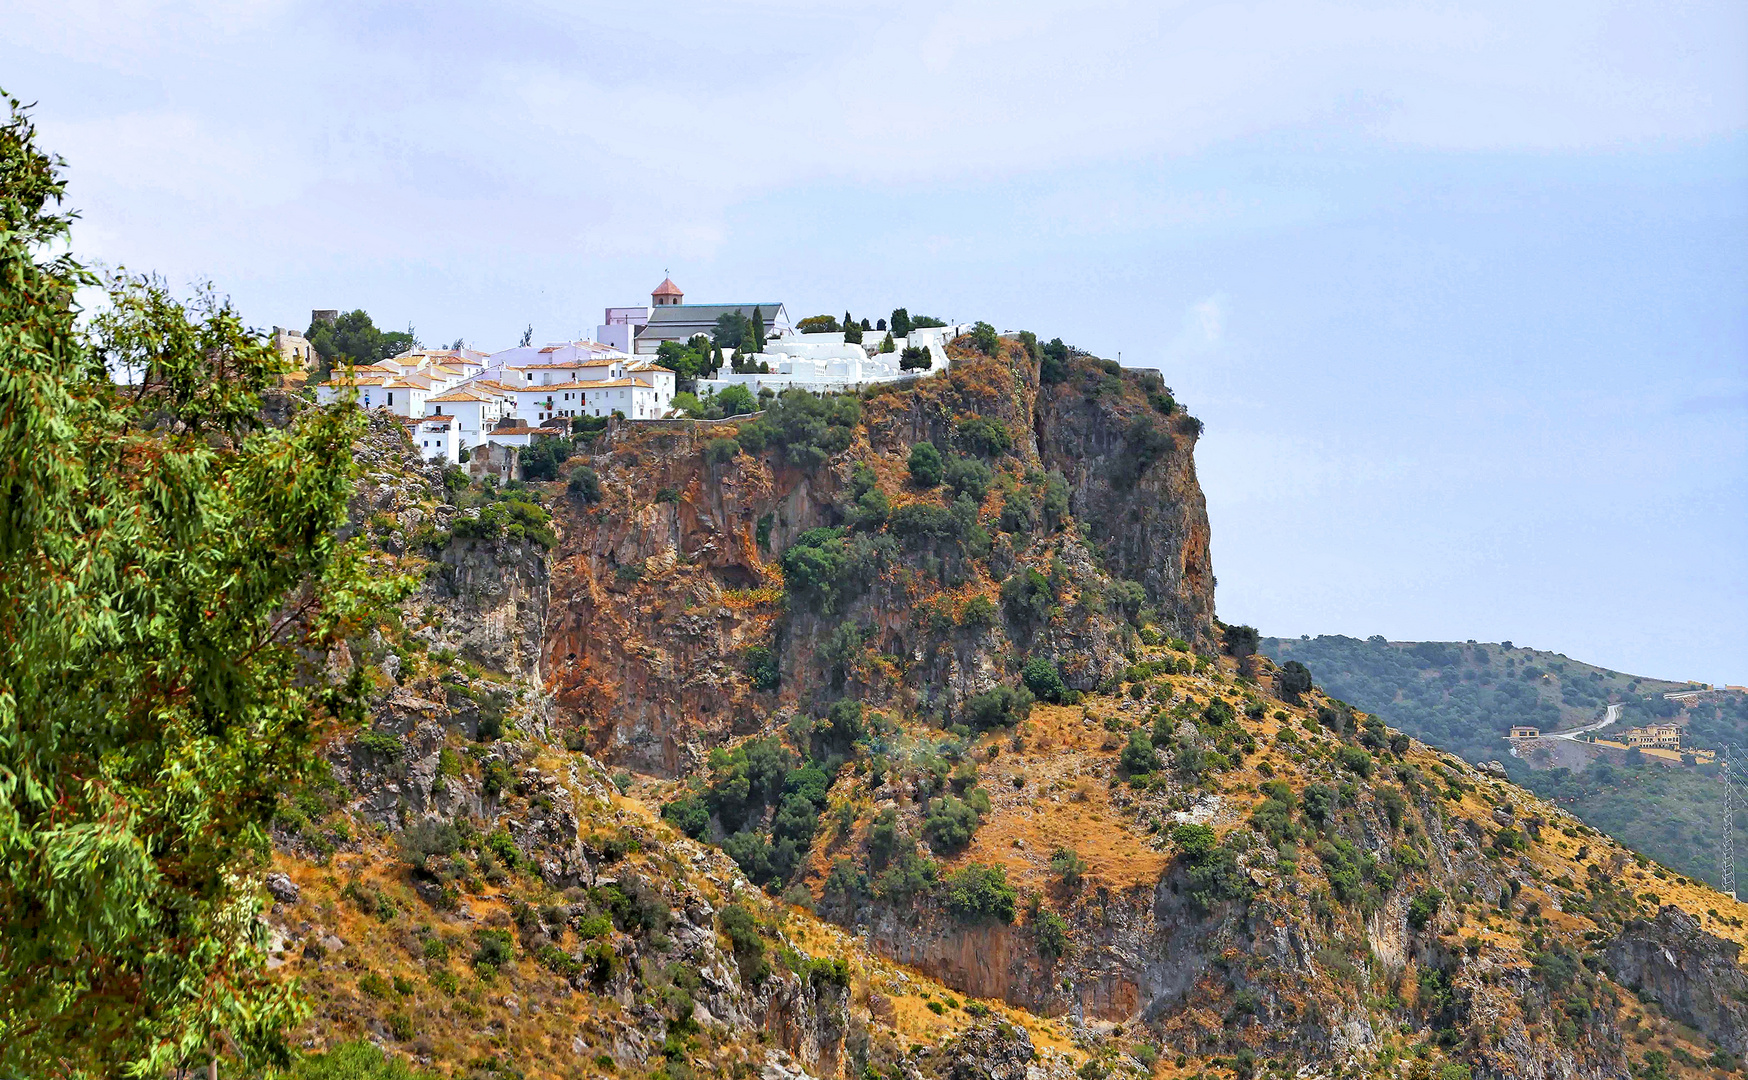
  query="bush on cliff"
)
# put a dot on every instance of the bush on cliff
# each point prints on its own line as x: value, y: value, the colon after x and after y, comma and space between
x: 516, y: 516
x: 1044, y: 679
x: 980, y: 892
x: 825, y: 571
x: 1004, y: 706
x: 806, y: 428
x: 925, y: 465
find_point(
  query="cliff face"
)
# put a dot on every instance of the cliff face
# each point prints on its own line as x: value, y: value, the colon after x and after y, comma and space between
x: 662, y: 590
x: 1174, y: 860
x: 1695, y: 976
x: 1132, y: 479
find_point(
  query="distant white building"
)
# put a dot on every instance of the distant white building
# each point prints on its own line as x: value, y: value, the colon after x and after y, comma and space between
x: 641, y: 330
x: 557, y: 359
x: 402, y: 383
x: 477, y: 407
x: 439, y: 438
x: 826, y: 363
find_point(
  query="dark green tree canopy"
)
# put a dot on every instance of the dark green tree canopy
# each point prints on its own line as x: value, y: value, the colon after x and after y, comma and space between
x: 353, y: 336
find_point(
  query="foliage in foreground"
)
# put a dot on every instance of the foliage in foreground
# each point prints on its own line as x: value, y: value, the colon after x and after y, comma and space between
x: 172, y: 580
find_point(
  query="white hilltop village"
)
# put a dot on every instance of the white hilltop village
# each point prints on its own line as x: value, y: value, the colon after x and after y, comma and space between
x: 455, y: 401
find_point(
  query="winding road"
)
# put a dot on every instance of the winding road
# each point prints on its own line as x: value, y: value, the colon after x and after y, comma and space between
x: 1614, y: 712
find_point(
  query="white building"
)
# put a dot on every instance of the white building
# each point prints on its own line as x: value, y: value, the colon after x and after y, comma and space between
x: 826, y: 363
x: 641, y: 330
x: 439, y: 438
x: 632, y: 397
x: 511, y: 433
x: 477, y: 407
x: 554, y: 357
x: 403, y: 383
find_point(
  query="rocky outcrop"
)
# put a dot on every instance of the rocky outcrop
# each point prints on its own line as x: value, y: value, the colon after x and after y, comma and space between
x: 1697, y: 977
x: 1132, y: 480
x: 487, y: 601
x: 989, y: 1052
x: 665, y: 589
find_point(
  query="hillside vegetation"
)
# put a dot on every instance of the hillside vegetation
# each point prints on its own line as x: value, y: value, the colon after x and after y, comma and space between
x: 826, y: 764
x: 886, y: 736
x: 1465, y: 696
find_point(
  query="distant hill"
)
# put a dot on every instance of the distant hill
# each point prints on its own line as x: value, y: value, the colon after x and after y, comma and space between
x: 1464, y: 697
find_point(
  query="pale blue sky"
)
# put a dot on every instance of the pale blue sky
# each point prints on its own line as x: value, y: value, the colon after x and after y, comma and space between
x: 1460, y: 291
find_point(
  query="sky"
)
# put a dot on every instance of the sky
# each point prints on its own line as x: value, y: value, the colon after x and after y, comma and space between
x: 1460, y: 291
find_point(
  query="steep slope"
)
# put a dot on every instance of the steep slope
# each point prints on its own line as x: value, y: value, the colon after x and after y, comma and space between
x: 671, y: 590
x: 1045, y: 825
x: 1465, y: 697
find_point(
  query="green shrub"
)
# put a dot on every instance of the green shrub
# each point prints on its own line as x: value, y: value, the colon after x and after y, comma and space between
x: 501, y: 844
x: 384, y: 745
x: 374, y: 985
x: 1195, y: 841
x: 1218, y: 712
x: 984, y: 338
x: 950, y: 824
x: 426, y: 838
x: 747, y: 943
x: 721, y: 451
x: 1026, y: 597
x: 510, y: 518
x: 826, y: 571
x: 493, y: 949
x: 542, y: 457
x: 925, y: 465
x: 1050, y: 933
x: 1292, y: 681
x: 1043, y: 678
x: 584, y: 484
x: 1345, y: 866
x: 1019, y: 513
x: 689, y: 813
x: 356, y: 1061
x: 1069, y: 866
x: 497, y: 776
x: 982, y: 436
x: 806, y: 428
x: 1320, y: 801
x: 760, y: 665
x: 557, y: 961
x: 1138, y: 757
x: 1003, y: 706
x: 1423, y: 907
x: 1053, y: 362
x: 981, y: 892
x: 735, y: 400
x: 968, y: 476
x: 977, y: 614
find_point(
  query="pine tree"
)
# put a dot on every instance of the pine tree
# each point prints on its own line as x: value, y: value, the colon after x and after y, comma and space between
x: 173, y: 587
